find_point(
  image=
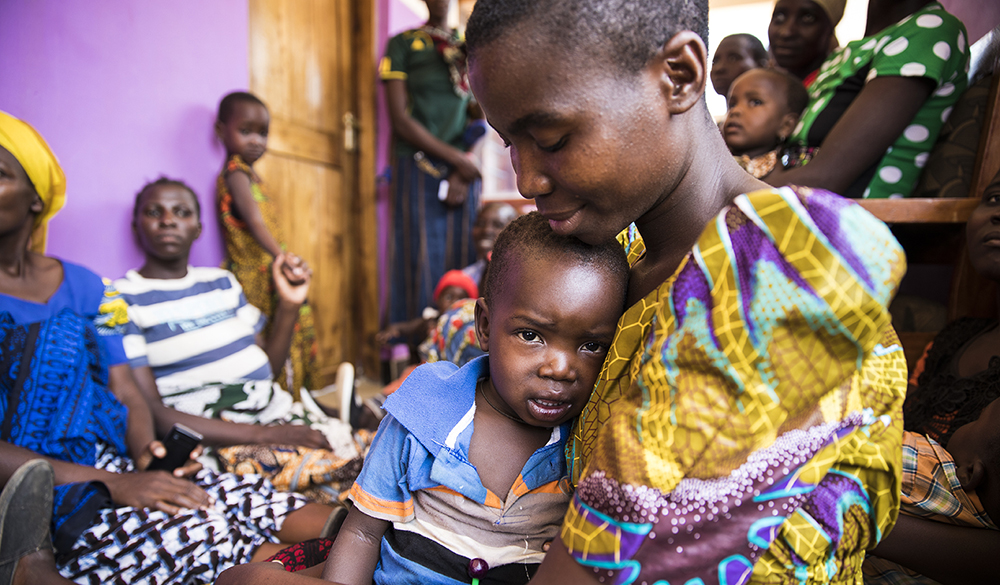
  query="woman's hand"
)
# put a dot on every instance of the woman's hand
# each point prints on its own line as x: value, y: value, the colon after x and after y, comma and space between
x: 156, y: 450
x: 458, y: 191
x: 465, y: 167
x: 158, y: 490
x: 291, y: 278
x: 298, y: 435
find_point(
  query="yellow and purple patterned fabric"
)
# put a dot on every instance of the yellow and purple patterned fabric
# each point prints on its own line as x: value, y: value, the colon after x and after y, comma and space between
x: 746, y: 426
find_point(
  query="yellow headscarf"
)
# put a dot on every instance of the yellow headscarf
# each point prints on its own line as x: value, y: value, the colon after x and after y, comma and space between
x: 42, y: 167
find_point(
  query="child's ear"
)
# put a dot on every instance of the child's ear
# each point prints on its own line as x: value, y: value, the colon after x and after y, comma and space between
x: 972, y: 474
x: 787, y: 126
x: 218, y: 129
x: 682, y: 63
x: 483, y: 324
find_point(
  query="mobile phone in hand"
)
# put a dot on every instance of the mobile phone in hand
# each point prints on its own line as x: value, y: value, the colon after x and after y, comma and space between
x: 179, y: 443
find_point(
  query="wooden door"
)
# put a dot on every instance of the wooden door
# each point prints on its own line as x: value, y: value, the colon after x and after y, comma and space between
x: 312, y: 62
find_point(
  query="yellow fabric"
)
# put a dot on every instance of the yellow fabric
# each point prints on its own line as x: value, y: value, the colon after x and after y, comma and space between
x: 251, y: 264
x: 41, y: 166
x: 691, y: 390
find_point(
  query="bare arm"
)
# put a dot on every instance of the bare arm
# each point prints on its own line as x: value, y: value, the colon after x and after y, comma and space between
x: 405, y: 329
x: 140, y: 420
x: 952, y: 555
x: 355, y: 554
x: 158, y: 489
x: 219, y: 432
x: 876, y: 118
x: 247, y: 210
x: 265, y: 574
x: 559, y: 568
x: 286, y: 313
x: 413, y: 132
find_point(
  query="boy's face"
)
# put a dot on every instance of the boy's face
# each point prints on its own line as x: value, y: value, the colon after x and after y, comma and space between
x: 166, y: 222
x: 982, y: 233
x: 245, y: 133
x: 490, y: 222
x: 547, y: 334
x: 732, y: 58
x: 590, y: 144
x: 758, y: 116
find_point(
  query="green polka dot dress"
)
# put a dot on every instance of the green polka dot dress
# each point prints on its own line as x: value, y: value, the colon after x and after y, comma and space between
x: 929, y: 43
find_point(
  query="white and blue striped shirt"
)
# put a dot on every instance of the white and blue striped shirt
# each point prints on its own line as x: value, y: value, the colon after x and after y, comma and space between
x: 194, y: 330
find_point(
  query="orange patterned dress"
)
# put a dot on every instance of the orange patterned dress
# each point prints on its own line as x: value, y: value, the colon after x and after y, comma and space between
x: 251, y: 264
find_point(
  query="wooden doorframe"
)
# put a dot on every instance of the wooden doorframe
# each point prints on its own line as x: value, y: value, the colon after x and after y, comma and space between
x: 365, y: 291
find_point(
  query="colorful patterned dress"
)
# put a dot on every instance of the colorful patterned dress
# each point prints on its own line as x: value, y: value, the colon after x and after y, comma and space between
x: 251, y: 264
x: 63, y: 409
x: 746, y: 426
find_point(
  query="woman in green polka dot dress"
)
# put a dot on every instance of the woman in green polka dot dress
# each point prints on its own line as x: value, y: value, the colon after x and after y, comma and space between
x: 878, y: 103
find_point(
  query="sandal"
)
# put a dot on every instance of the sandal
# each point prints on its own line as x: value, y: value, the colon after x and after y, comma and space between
x: 25, y: 515
x: 334, y: 521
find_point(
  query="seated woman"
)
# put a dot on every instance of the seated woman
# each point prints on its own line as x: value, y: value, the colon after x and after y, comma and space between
x: 958, y: 377
x: 801, y: 35
x: 69, y: 399
x: 878, y: 104
x: 193, y: 330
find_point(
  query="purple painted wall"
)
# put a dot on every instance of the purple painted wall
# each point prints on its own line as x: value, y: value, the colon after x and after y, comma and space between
x: 123, y: 91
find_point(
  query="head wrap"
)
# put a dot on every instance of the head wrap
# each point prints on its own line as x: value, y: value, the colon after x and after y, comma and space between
x: 459, y: 279
x: 833, y: 8
x: 42, y: 168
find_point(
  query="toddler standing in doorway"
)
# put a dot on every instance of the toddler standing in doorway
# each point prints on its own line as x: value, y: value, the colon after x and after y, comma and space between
x: 251, y: 232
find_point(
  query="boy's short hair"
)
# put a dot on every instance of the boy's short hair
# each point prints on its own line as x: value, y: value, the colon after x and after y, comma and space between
x: 169, y: 182
x: 531, y: 236
x: 231, y: 99
x: 626, y: 33
x: 757, y: 50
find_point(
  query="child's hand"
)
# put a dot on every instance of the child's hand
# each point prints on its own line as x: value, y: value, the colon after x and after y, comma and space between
x: 295, y: 268
x: 288, y: 290
x: 385, y: 336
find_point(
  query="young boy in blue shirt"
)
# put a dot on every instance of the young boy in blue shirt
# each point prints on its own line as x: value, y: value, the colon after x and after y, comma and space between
x: 466, y: 476
x: 466, y: 479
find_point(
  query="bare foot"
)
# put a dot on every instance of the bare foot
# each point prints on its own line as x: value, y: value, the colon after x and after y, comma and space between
x: 38, y: 568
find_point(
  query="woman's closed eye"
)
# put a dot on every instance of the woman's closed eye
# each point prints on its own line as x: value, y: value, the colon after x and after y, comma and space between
x: 553, y: 147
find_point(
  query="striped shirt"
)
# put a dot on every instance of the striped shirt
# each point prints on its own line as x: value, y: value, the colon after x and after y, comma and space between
x: 194, y: 330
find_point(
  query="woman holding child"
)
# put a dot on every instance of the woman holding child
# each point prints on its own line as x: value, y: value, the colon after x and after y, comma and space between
x: 72, y: 410
x: 747, y: 421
